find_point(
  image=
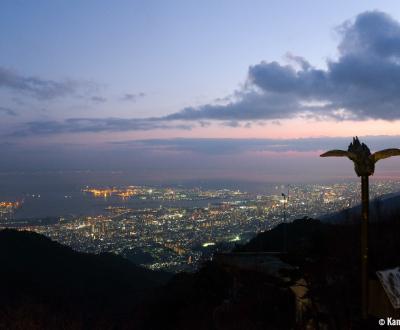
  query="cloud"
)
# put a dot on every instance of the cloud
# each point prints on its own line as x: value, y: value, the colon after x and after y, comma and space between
x: 93, y: 125
x: 98, y: 99
x: 35, y: 86
x: 232, y: 123
x: 8, y: 112
x: 133, y: 97
x: 204, y: 123
x: 362, y: 83
x: 220, y: 146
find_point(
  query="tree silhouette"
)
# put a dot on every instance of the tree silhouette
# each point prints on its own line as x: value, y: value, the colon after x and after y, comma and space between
x: 364, y: 166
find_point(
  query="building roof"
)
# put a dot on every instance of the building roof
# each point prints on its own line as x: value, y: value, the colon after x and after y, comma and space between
x: 390, y: 280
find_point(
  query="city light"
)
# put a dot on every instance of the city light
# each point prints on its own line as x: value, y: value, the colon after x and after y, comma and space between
x: 173, y: 233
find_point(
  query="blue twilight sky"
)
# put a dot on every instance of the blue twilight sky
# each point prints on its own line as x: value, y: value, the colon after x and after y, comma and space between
x: 84, y: 83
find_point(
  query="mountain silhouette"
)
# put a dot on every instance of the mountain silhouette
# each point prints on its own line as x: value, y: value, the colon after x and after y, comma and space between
x: 46, y: 285
x: 314, y: 283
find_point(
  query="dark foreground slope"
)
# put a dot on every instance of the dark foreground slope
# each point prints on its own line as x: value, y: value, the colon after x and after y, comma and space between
x: 216, y: 298
x: 314, y: 284
x: 328, y: 257
x: 318, y: 289
x: 45, y: 285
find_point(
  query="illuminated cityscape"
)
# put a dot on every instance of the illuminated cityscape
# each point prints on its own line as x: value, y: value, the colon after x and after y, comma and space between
x: 176, y: 238
x: 7, y: 209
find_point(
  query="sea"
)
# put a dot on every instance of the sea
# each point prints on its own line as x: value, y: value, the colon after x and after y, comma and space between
x: 59, y: 193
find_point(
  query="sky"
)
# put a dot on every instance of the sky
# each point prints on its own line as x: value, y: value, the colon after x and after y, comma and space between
x: 251, y: 90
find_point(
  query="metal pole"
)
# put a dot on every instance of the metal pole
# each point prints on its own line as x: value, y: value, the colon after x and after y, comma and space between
x: 364, y: 245
x: 284, y: 221
x: 284, y: 224
x: 364, y: 166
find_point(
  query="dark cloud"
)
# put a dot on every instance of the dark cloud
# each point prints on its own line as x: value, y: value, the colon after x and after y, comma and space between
x: 35, y: 86
x: 218, y: 146
x: 204, y: 123
x: 363, y: 83
x: 8, y: 112
x: 235, y: 124
x: 232, y: 123
x: 133, y: 97
x: 81, y: 125
x: 98, y: 99
x: 252, y: 106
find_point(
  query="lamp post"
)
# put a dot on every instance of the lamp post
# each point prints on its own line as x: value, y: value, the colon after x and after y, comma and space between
x: 364, y: 166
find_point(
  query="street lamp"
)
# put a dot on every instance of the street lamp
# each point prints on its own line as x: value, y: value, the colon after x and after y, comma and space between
x: 364, y: 166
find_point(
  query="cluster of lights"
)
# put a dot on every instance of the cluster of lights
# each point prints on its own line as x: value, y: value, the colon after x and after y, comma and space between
x: 10, y: 205
x: 124, y: 193
x: 100, y: 192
